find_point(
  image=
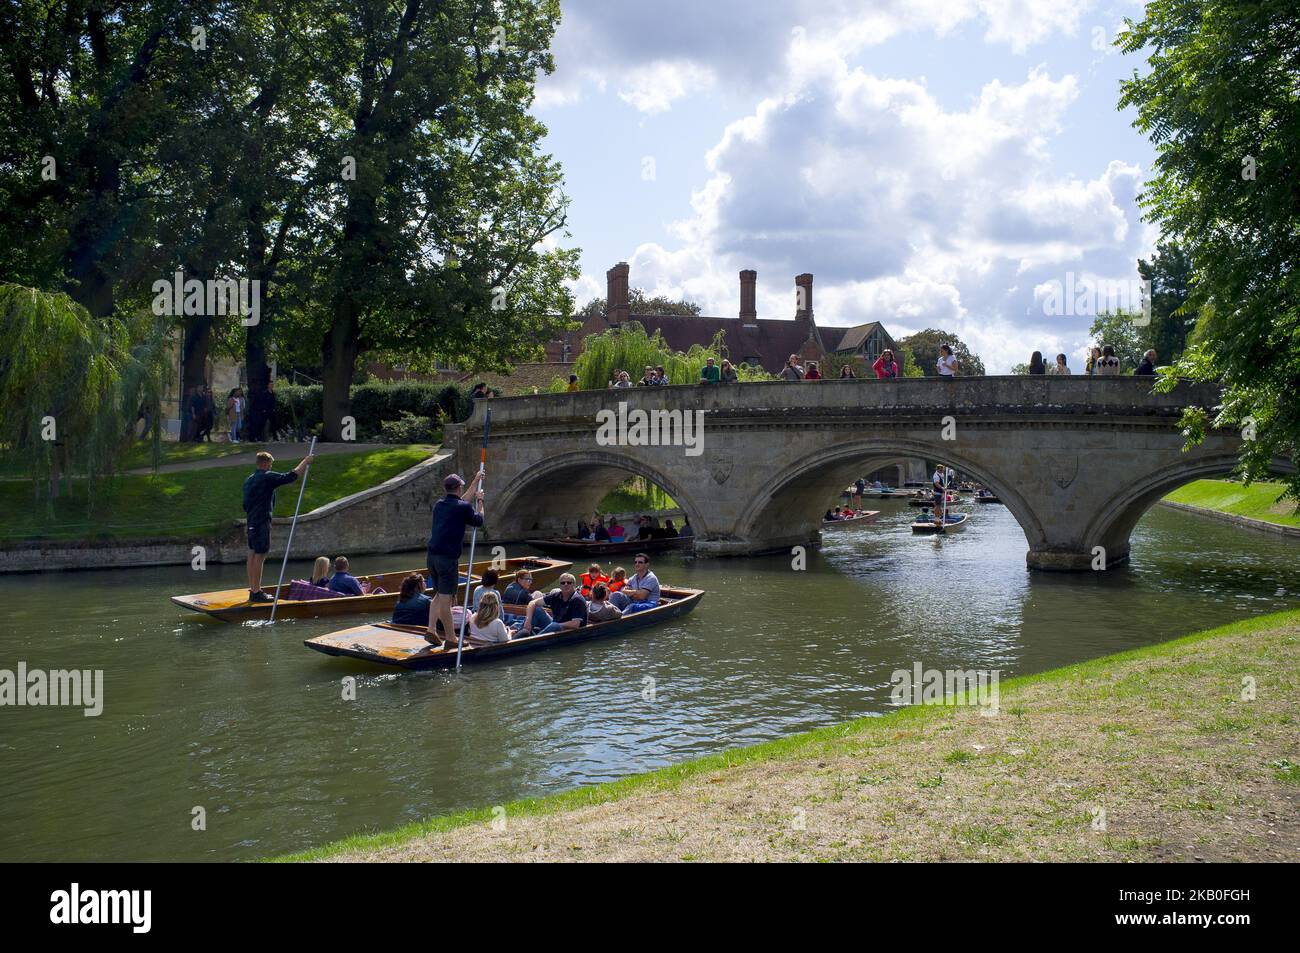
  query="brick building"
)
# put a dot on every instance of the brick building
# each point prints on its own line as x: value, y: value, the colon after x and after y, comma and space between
x: 749, y: 338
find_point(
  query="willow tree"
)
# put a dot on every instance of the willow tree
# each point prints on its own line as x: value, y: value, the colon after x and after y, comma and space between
x: 1220, y: 100
x: 434, y: 234
x: 631, y: 348
x: 72, y: 387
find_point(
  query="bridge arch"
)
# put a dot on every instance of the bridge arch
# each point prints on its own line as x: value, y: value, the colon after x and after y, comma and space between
x: 1112, y: 525
x: 574, y: 483
x: 804, y: 488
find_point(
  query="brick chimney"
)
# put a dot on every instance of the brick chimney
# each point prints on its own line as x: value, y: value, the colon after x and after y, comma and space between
x: 748, y: 312
x: 803, y: 309
x: 617, y: 308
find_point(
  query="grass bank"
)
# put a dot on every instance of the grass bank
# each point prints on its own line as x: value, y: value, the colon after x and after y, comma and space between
x: 1258, y: 501
x: 190, y: 503
x: 1152, y: 754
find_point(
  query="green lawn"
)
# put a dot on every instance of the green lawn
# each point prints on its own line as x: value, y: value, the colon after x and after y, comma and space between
x: 192, y: 503
x: 1258, y: 501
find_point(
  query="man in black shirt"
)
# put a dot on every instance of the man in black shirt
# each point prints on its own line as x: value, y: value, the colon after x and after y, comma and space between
x: 259, y: 504
x: 1148, y: 366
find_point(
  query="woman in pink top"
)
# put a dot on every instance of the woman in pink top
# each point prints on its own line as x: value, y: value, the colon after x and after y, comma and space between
x: 885, y: 365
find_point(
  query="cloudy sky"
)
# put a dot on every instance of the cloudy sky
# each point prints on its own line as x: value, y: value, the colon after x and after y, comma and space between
x: 934, y: 163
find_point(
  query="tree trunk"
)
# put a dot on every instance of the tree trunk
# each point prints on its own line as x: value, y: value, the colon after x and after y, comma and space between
x: 339, y: 352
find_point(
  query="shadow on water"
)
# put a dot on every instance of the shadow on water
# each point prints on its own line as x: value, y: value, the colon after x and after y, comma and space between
x: 248, y: 724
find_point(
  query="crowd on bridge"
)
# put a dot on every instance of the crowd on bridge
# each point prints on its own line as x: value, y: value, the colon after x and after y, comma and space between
x: 1102, y: 362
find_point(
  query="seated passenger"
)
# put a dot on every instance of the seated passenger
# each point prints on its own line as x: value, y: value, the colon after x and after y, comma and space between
x: 568, y: 610
x: 320, y: 573
x: 616, y: 531
x: 486, y: 626
x: 617, y: 578
x: 598, y: 532
x: 343, y: 581
x: 670, y: 529
x: 490, y: 579
x: 592, y: 576
x: 598, y: 609
x: 641, y: 591
x: 828, y: 517
x: 519, y: 592
x: 412, y: 604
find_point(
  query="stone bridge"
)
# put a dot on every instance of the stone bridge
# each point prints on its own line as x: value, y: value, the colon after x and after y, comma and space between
x: 1076, y: 460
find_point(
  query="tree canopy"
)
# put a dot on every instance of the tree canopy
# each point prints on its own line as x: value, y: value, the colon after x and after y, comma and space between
x: 1220, y: 100
x: 641, y: 303
x: 924, y: 347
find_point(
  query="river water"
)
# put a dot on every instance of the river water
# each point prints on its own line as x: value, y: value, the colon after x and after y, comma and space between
x: 247, y: 724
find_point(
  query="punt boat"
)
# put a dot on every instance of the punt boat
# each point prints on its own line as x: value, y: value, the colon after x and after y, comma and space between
x: 953, y: 523
x: 232, y: 605
x: 866, y: 516
x: 404, y: 646
x: 568, y: 546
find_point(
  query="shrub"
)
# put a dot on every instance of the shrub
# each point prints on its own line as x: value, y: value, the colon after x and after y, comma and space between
x: 411, y: 429
x: 298, y: 408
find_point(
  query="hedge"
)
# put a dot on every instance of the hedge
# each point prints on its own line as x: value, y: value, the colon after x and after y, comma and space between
x: 298, y: 408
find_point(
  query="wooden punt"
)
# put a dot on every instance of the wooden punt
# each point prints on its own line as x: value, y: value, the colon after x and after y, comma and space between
x: 987, y: 499
x: 232, y: 605
x: 953, y: 523
x: 586, y: 548
x: 405, y: 647
x: 929, y: 501
x: 866, y: 516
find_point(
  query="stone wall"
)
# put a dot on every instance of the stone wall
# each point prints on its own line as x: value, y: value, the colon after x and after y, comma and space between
x: 391, y: 517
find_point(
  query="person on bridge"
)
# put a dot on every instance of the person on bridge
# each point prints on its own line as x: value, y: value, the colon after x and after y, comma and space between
x: 1107, y: 364
x: 1036, y: 365
x: 792, y: 370
x: 259, y: 504
x: 847, y: 373
x: 1148, y: 366
x: 710, y: 373
x: 451, y: 515
x: 573, y: 384
x: 1090, y: 366
x: 886, y: 367
x: 729, y: 375
x: 1060, y: 368
x: 812, y: 374
x: 947, y: 363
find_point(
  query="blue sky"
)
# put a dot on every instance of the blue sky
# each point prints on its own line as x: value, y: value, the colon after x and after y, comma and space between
x: 934, y: 163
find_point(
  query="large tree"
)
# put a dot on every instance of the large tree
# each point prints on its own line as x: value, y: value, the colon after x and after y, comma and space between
x: 444, y: 197
x: 1220, y: 99
x: 1172, y: 316
x: 925, y: 345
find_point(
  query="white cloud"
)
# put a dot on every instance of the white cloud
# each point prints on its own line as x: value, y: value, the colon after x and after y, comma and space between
x: 654, y: 87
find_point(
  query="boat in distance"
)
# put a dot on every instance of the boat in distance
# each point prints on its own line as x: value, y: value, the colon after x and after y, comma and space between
x: 568, y: 546
x: 232, y: 605
x: 861, y: 519
x: 405, y: 646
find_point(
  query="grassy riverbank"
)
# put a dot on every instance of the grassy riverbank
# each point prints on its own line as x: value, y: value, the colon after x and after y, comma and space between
x: 190, y: 503
x: 1151, y: 754
x: 1258, y: 501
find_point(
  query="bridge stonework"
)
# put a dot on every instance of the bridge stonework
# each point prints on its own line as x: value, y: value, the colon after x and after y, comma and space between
x: 1076, y: 460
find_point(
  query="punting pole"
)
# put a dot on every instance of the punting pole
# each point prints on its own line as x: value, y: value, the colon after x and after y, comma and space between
x: 473, y: 537
x: 292, y: 526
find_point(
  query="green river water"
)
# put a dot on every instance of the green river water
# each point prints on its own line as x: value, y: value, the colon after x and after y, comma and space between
x: 245, y: 722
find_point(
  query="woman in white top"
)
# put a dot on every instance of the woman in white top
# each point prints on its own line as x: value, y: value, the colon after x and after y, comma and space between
x: 486, y: 626
x: 947, y: 364
x: 1060, y: 366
